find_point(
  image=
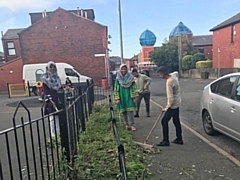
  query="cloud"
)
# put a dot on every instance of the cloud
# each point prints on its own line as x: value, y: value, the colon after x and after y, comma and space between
x: 15, y: 5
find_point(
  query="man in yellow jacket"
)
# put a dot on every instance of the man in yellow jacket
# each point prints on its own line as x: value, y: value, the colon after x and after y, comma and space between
x: 142, y: 85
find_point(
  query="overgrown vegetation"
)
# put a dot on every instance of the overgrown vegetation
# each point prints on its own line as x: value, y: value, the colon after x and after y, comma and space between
x: 97, y: 156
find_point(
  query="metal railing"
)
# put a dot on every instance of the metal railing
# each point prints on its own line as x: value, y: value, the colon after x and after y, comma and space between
x: 27, y: 149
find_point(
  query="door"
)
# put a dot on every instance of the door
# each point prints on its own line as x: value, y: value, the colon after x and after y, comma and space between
x: 219, y: 102
x: 234, y: 111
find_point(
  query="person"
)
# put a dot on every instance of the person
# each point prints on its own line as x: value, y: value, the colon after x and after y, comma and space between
x: 142, y: 84
x: 172, y: 108
x: 68, y: 82
x: 51, y: 84
x: 125, y: 95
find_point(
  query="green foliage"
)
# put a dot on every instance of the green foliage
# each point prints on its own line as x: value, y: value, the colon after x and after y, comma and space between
x: 204, y: 64
x: 97, y: 156
x: 187, y: 62
x: 166, y: 55
x: 197, y: 57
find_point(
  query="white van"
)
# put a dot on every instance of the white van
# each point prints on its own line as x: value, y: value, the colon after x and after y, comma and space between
x: 33, y: 72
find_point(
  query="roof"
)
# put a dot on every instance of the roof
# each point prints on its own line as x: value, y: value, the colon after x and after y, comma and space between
x: 12, y: 33
x: 233, y: 20
x: 202, y: 40
x: 39, y: 15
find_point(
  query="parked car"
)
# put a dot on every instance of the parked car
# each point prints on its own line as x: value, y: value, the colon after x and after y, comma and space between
x: 146, y: 72
x: 220, y: 106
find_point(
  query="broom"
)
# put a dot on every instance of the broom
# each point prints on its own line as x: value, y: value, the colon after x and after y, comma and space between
x: 144, y: 144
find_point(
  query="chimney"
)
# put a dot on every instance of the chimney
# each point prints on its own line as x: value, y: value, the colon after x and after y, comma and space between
x: 78, y: 11
x: 81, y: 12
x: 85, y: 14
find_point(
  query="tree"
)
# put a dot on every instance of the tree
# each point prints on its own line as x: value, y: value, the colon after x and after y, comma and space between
x: 187, y: 62
x: 166, y: 55
x: 197, y: 57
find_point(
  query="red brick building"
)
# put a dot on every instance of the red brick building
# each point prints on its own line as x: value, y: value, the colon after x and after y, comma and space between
x: 226, y: 43
x: 61, y: 36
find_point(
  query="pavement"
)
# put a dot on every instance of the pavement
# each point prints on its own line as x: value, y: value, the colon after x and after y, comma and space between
x: 196, y: 159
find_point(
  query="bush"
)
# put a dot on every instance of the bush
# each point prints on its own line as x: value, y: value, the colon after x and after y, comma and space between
x: 187, y: 62
x: 204, y: 64
x: 197, y: 57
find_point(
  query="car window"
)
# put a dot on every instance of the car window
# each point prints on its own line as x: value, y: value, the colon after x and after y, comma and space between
x: 224, y: 86
x: 70, y: 72
x: 237, y: 91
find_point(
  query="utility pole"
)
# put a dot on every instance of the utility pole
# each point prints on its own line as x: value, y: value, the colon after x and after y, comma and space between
x: 120, y: 30
x: 179, y: 52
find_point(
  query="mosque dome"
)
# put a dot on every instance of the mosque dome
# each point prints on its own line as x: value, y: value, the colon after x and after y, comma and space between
x: 180, y: 29
x: 147, y: 38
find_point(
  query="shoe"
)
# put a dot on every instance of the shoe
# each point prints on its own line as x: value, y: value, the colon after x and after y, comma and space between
x: 148, y: 115
x: 136, y: 115
x: 133, y: 128
x: 176, y: 141
x: 163, y: 143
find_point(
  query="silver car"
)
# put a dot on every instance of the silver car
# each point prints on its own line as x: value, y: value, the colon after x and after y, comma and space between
x: 220, y: 106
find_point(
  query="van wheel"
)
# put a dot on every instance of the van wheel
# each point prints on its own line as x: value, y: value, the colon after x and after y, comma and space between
x: 207, y: 124
x: 35, y: 91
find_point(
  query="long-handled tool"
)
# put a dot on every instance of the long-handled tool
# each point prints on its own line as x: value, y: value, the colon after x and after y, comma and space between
x: 145, y: 145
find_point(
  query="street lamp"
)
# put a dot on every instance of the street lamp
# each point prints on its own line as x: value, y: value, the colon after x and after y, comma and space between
x: 120, y: 30
x: 179, y: 53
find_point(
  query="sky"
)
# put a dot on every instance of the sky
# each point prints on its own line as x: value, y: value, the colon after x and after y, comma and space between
x: 158, y: 16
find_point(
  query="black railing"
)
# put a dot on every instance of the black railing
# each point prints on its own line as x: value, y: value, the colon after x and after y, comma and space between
x: 27, y: 149
x: 121, y: 153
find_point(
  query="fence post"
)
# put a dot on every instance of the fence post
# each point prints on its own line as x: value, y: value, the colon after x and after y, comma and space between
x: 8, y: 90
x: 64, y: 124
x: 89, y: 98
x: 81, y: 112
x: 29, y: 92
x: 92, y: 92
x: 1, y: 173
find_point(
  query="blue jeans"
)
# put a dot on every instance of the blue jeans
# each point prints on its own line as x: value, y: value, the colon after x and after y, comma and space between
x: 171, y: 113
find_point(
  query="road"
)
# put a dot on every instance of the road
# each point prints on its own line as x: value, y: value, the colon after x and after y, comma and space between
x: 190, y: 110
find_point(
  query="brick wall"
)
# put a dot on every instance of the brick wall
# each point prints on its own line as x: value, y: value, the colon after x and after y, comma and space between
x: 228, y: 50
x: 65, y: 37
x: 17, y: 49
x: 10, y: 72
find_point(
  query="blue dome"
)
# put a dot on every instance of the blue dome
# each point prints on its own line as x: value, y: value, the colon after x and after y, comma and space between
x: 147, y: 38
x: 180, y: 29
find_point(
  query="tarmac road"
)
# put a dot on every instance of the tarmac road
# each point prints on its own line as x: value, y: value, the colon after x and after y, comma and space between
x: 201, y: 155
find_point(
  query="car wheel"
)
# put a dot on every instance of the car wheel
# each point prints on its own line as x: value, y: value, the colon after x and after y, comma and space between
x: 207, y: 124
x: 35, y: 91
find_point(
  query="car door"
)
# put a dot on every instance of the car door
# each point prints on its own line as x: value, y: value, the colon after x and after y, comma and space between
x: 234, y: 111
x: 219, y: 102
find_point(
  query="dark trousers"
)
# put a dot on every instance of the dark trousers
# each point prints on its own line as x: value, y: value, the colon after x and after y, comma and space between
x: 171, y: 113
x: 146, y: 97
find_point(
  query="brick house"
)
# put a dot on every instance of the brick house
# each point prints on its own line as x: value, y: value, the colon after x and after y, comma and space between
x: 203, y: 44
x: 226, y: 43
x: 63, y: 36
x: 11, y: 44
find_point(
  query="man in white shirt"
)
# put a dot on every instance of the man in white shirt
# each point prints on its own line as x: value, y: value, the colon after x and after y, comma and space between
x: 172, y: 108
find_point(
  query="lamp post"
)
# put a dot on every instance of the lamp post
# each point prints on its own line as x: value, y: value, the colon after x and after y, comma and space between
x: 120, y: 29
x: 179, y: 53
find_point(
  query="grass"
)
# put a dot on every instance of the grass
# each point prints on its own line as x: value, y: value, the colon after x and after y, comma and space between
x: 97, y: 156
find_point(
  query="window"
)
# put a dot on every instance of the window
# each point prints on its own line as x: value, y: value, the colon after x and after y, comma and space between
x: 11, y: 49
x: 70, y: 72
x: 237, y: 91
x: 224, y: 87
x: 233, y: 32
x: 201, y: 49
